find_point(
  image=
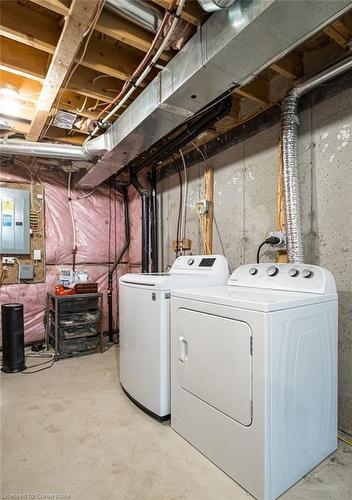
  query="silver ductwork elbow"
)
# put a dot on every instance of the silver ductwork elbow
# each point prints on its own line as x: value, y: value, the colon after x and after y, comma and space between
x: 141, y: 13
x: 214, y: 5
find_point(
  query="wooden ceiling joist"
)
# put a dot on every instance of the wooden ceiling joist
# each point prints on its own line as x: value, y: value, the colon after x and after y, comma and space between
x: 23, y: 60
x: 339, y: 33
x: 112, y: 25
x: 100, y: 56
x: 77, y: 22
x: 257, y: 90
x: 290, y: 67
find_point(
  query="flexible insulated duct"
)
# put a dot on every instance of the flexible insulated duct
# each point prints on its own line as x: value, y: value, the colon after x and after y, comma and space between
x: 289, y: 140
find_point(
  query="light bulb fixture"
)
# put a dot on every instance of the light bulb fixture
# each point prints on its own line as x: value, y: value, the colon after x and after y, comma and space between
x: 9, y: 105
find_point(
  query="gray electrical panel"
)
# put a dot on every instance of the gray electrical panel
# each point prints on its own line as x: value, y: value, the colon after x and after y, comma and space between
x: 14, y: 221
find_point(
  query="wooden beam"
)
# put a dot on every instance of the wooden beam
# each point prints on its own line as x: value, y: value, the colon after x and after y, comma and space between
x: 257, y: 90
x: 29, y: 90
x: 21, y: 127
x: 29, y: 27
x: 335, y: 34
x: 60, y: 134
x: 77, y: 22
x: 112, y: 25
x: 53, y: 5
x: 23, y: 60
x: 208, y: 217
x: 41, y: 32
x: 290, y: 67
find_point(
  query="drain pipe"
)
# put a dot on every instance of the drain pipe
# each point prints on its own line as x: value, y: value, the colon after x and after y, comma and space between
x: 145, y: 196
x: 289, y: 140
x: 118, y: 260
x: 154, y: 222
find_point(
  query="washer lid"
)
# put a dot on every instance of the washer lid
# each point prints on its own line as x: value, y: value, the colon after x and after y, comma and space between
x: 257, y: 299
x: 172, y: 281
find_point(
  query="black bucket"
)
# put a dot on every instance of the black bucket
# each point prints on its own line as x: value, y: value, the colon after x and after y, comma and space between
x: 13, y: 359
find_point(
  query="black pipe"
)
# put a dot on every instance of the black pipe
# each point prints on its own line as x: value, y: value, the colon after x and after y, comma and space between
x: 154, y: 223
x: 145, y: 195
x: 163, y: 148
x: 118, y: 260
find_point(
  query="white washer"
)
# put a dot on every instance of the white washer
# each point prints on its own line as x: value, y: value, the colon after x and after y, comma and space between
x: 254, y: 373
x: 144, y: 301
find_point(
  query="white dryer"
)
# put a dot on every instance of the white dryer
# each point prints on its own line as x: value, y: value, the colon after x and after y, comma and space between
x: 254, y: 373
x: 144, y: 301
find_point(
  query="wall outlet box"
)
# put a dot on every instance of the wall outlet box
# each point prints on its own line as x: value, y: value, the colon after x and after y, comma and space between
x: 185, y: 244
x: 37, y: 254
x: 8, y: 260
x: 26, y: 272
x: 282, y: 244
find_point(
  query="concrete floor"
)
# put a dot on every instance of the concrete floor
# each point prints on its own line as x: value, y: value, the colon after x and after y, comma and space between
x: 70, y: 430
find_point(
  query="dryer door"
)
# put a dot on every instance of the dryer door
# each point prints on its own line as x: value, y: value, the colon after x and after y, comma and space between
x: 214, y: 362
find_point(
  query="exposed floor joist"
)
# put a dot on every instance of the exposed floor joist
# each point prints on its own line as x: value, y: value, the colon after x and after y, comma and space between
x: 112, y: 25
x: 77, y: 23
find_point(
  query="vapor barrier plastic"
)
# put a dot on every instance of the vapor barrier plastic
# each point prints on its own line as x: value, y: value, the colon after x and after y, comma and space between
x: 92, y: 215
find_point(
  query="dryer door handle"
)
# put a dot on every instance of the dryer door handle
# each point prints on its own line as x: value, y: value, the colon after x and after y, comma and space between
x: 182, y: 349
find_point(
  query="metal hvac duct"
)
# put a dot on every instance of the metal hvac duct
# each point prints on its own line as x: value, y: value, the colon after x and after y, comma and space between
x: 214, y: 5
x: 215, y: 59
x: 289, y: 139
x: 144, y: 14
x: 45, y: 150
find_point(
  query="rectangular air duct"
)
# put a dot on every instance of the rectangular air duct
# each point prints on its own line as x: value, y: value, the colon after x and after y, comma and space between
x: 231, y: 48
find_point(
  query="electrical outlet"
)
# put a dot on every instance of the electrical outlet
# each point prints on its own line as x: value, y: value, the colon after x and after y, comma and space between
x: 37, y: 254
x: 282, y: 244
x: 203, y: 206
x: 8, y: 260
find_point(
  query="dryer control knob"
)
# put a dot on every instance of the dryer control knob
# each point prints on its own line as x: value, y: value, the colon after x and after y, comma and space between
x: 190, y: 262
x: 272, y: 271
x: 253, y: 271
x: 307, y: 273
x: 293, y: 272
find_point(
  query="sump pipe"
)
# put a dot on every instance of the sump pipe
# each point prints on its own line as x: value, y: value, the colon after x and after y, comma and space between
x: 145, y: 196
x: 118, y: 260
x: 289, y: 140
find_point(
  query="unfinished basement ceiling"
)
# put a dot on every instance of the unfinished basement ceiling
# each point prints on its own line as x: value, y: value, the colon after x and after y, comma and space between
x: 30, y: 36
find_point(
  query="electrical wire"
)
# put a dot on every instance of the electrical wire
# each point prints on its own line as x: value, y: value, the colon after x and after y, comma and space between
x: 345, y: 440
x: 89, y: 32
x: 259, y: 249
x: 135, y: 81
x: 179, y: 209
x: 26, y: 372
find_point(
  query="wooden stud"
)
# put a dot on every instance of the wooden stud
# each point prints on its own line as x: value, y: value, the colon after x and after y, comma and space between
x: 208, y: 217
x: 77, y: 22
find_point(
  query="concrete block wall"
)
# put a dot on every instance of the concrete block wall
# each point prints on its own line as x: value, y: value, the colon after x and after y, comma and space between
x: 245, y: 208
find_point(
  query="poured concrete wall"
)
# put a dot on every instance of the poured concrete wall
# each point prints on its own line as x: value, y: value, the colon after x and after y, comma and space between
x: 245, y: 207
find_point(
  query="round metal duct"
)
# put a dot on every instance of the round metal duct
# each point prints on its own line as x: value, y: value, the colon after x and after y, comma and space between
x: 213, y: 5
x: 139, y: 12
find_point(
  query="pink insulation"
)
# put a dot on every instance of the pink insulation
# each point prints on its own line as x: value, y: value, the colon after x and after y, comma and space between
x: 92, y: 221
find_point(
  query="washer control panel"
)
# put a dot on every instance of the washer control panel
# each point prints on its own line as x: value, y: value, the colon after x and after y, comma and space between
x: 294, y: 277
x: 200, y: 264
